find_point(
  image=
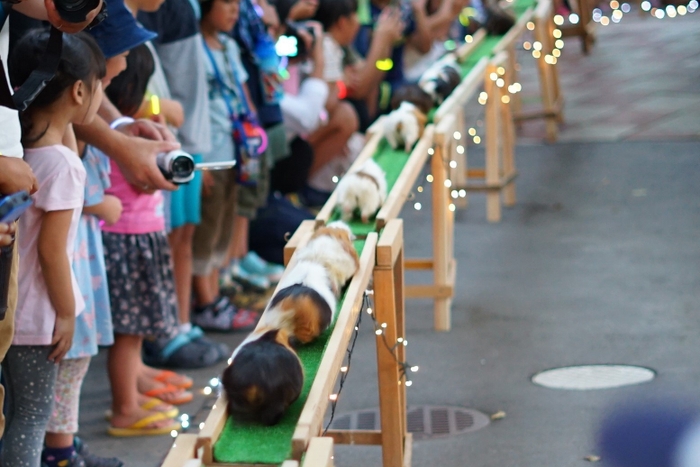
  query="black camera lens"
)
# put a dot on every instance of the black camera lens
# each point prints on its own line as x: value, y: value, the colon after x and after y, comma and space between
x: 182, y: 167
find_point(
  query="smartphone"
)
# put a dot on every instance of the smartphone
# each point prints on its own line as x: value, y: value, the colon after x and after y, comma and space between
x: 224, y: 165
x: 12, y: 206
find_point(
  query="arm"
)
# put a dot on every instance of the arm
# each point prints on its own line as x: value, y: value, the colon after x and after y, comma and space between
x: 45, y: 10
x: 56, y: 269
x: 422, y: 37
x: 388, y: 32
x: 109, y: 210
x: 135, y: 156
x: 7, y: 234
x: 16, y: 175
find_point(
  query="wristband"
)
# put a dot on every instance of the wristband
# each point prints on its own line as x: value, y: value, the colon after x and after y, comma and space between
x: 120, y: 121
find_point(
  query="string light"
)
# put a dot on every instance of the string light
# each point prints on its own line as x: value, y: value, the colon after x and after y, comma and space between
x: 460, y: 150
x: 417, y: 206
x: 457, y: 135
x: 207, y: 390
x: 573, y: 18
x: 335, y: 179
x: 429, y: 178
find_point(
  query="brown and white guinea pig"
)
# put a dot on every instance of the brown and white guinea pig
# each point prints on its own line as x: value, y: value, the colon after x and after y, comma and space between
x: 415, y: 95
x: 304, y: 304
x: 441, y: 79
x: 264, y: 378
x: 404, y: 126
x: 364, y: 189
x: 331, y: 247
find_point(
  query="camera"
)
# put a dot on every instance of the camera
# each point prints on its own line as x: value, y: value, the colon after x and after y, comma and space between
x: 75, y: 11
x: 291, y: 44
x: 176, y: 166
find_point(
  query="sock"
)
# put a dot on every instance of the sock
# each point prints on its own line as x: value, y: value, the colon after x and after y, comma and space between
x: 185, y: 328
x: 57, y: 457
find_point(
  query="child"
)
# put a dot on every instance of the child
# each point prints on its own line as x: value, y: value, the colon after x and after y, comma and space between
x: 227, y: 103
x: 51, y: 300
x: 139, y: 273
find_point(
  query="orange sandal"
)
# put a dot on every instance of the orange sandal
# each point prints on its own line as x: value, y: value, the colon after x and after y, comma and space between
x: 182, y: 397
x: 174, y: 379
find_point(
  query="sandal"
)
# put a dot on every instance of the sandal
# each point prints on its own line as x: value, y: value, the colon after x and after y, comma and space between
x: 151, y: 405
x: 181, y: 352
x: 181, y: 397
x: 140, y: 428
x: 170, y: 377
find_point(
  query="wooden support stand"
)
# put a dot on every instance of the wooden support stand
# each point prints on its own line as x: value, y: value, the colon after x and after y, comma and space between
x: 552, y: 110
x: 585, y: 28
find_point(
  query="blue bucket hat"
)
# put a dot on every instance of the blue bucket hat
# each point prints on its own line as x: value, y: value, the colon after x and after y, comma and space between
x: 119, y: 32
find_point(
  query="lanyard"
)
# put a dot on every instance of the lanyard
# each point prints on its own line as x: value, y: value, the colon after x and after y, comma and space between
x: 238, y: 92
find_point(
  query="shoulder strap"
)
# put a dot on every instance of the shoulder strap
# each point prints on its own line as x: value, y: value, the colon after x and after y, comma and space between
x: 238, y: 91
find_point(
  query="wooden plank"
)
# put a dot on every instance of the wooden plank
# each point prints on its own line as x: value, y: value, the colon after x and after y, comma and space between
x: 465, y: 91
x: 497, y: 186
x: 319, y: 453
x: 419, y: 263
x: 324, y: 215
x: 476, y: 173
x: 210, y: 432
x: 467, y: 48
x: 183, y: 450
x: 429, y: 291
x: 290, y: 463
x: 390, y: 243
x: 408, y: 450
x: 311, y: 418
x: 400, y: 311
x: 493, y: 199
x: 544, y: 9
x: 301, y: 235
x: 404, y: 184
x: 441, y: 220
x: 362, y: 437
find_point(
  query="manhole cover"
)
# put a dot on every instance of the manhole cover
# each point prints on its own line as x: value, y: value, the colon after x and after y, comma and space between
x: 425, y: 421
x: 587, y: 377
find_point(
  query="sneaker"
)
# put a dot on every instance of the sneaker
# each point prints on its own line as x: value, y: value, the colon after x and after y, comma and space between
x: 180, y: 352
x: 243, y: 275
x: 227, y: 285
x: 223, y: 316
x: 256, y: 265
x: 74, y: 461
x: 91, y: 460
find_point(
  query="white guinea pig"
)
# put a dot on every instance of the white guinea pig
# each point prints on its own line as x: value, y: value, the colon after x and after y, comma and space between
x: 404, y: 126
x: 365, y: 189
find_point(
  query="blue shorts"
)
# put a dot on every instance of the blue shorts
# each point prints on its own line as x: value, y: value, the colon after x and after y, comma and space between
x: 183, y: 206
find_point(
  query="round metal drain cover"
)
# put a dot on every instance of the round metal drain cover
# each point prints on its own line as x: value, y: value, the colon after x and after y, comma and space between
x: 586, y: 377
x: 424, y: 421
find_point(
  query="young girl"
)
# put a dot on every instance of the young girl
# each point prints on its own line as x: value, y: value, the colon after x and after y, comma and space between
x: 51, y: 300
x: 140, y: 278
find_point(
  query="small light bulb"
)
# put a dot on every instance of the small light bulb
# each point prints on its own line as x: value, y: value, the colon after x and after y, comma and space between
x: 229, y: 361
x: 558, y: 20
x: 343, y: 369
x: 573, y: 18
x: 460, y: 150
x: 417, y: 206
x: 457, y: 135
x: 378, y: 332
x: 173, y: 433
x: 556, y: 33
x: 500, y: 82
x: 419, y: 189
x: 207, y: 391
x: 626, y: 8
x: 429, y: 178
x: 201, y: 426
x: 384, y: 325
x: 493, y: 76
x: 185, y: 424
x: 335, y: 179
x: 604, y: 21
x: 462, y: 193
x: 501, y: 71
x: 409, y: 383
x: 414, y: 368
x: 448, y: 183
x: 431, y: 151
x: 405, y: 342
x: 505, y: 99
x: 333, y: 397
x: 477, y: 139
x: 454, y: 194
x: 536, y: 54
x: 531, y: 25
x: 452, y: 207
x: 527, y: 45
x: 369, y: 310
x: 214, y: 382
x: 559, y: 44
x: 184, y: 417
x: 399, y: 340
x: 472, y: 131
x: 468, y: 39
x: 614, y: 4
x: 682, y: 10
x: 537, y: 45
x: 646, y: 5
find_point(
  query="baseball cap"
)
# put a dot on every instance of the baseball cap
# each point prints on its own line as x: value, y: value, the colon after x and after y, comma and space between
x: 119, y: 32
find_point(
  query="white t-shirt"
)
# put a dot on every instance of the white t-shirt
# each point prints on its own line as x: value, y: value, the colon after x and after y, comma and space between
x: 10, y: 130
x: 61, y: 178
x: 333, y: 60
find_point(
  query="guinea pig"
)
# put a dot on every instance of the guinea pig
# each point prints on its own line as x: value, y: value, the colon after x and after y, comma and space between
x: 264, y: 378
x: 441, y: 79
x: 404, y: 126
x: 365, y: 189
x: 304, y: 305
x: 415, y: 95
x: 331, y: 247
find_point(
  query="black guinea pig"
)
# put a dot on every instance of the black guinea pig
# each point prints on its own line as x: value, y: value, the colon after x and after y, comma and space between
x: 264, y: 378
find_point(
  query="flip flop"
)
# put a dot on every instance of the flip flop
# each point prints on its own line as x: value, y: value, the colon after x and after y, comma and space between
x: 184, y: 398
x: 170, y: 377
x: 140, y: 428
x: 150, y: 405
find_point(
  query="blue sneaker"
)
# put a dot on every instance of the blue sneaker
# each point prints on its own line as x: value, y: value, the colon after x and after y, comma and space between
x: 244, y: 276
x: 256, y: 265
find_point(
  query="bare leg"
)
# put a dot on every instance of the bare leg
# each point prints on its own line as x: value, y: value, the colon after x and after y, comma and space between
x: 124, y: 357
x: 181, y: 246
x: 238, y: 247
x: 330, y: 139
